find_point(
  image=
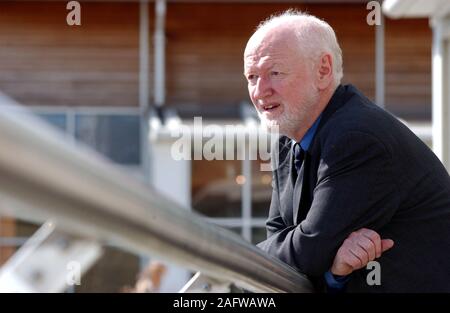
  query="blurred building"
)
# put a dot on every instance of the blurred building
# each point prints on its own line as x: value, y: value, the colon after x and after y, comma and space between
x: 129, y: 61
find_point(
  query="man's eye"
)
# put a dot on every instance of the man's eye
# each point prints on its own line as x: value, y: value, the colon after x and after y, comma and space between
x: 275, y: 73
x: 251, y: 77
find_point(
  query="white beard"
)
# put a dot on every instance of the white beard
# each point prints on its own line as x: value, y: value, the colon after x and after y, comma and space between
x: 290, y: 120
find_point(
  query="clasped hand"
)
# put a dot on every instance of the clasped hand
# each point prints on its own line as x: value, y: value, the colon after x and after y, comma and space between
x: 357, y: 250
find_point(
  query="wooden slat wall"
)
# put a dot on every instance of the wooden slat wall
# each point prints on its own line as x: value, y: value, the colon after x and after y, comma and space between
x: 408, y: 67
x: 205, y: 43
x: 7, y: 229
x: 43, y: 61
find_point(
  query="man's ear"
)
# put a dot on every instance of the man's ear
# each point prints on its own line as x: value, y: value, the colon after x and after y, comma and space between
x: 325, y: 73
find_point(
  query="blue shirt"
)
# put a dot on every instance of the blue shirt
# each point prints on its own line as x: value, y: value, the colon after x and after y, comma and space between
x: 306, y: 140
x: 334, y: 283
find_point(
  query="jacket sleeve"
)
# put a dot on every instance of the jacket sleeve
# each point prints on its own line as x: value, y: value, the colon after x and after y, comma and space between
x: 355, y: 188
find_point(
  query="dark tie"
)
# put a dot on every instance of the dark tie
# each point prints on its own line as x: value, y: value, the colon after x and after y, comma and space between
x: 298, y: 156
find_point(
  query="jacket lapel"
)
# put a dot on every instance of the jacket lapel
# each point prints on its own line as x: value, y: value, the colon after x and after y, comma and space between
x: 287, y: 181
x: 297, y: 193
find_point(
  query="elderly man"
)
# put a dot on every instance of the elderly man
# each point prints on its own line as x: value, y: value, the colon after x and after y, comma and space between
x: 353, y: 184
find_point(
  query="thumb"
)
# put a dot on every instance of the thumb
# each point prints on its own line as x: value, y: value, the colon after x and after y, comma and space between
x: 386, y: 244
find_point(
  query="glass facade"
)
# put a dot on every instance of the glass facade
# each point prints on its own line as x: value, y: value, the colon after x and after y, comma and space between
x: 58, y: 120
x: 231, y: 196
x: 217, y: 188
x: 117, y: 137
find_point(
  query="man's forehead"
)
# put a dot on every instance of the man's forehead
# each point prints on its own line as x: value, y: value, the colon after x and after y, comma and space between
x: 268, y: 50
x: 272, y: 42
x: 263, y: 60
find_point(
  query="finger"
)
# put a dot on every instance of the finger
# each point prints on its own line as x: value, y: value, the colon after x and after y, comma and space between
x: 387, y: 244
x: 375, y: 238
x: 361, y: 255
x: 368, y: 245
x: 354, y: 261
x: 345, y: 264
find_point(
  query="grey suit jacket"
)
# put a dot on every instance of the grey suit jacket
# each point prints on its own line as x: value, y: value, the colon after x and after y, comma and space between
x: 364, y: 168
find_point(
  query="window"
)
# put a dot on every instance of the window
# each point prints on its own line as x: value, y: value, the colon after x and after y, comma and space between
x: 261, y: 190
x: 258, y: 234
x: 115, y: 136
x: 58, y: 120
x: 216, y: 188
x: 235, y: 194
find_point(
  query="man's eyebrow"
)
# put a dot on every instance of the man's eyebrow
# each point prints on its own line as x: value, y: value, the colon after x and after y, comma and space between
x: 276, y: 64
x: 248, y: 69
x: 263, y: 66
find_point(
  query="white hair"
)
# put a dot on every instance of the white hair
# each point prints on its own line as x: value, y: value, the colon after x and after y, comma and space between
x: 315, y: 36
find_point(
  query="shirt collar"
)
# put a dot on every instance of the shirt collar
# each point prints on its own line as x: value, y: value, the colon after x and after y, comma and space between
x: 307, y: 139
x: 331, y: 107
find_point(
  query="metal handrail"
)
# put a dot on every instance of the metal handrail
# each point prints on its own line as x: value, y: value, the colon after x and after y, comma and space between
x: 43, y: 177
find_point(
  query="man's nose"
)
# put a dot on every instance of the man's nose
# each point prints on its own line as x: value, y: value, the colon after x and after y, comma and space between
x: 263, y: 88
